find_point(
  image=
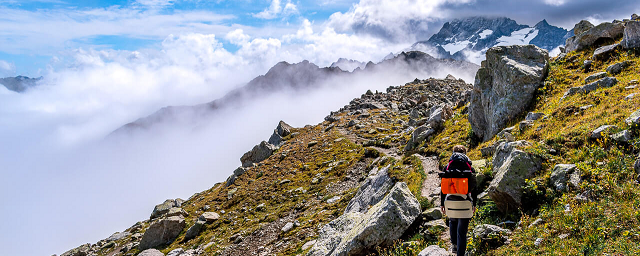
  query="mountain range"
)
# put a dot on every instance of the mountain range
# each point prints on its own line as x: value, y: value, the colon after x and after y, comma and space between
x: 459, y: 38
x: 19, y: 83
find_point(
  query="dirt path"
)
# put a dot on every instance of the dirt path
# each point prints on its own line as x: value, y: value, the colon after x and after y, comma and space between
x: 431, y: 189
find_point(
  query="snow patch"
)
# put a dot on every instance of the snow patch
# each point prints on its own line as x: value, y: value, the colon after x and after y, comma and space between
x: 518, y: 37
x: 555, y: 52
x: 454, y: 47
x: 485, y: 33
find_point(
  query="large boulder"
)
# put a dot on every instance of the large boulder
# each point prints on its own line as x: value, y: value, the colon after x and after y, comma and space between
x: 162, y: 232
x: 419, y: 135
x: 505, y: 86
x: 151, y: 252
x: 564, y: 175
x: 433, y: 250
x: 356, y: 233
x: 236, y: 173
x: 82, y: 250
x: 631, y: 37
x: 258, y: 154
x: 604, y: 32
x: 165, y: 207
x: 511, y: 167
x: 372, y: 190
x: 280, y: 132
x: 194, y: 230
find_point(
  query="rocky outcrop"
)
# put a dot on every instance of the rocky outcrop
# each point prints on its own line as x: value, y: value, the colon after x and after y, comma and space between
x: 258, y: 154
x: 419, y: 135
x: 162, y: 232
x: 165, y: 207
x: 617, y: 68
x: 631, y: 37
x: 564, y: 175
x: 372, y: 190
x: 151, y: 252
x: 602, y: 83
x: 604, y: 32
x: 236, y: 173
x: 82, y: 250
x: 356, y: 233
x: 511, y: 166
x: 280, y: 132
x: 505, y: 86
x: 194, y: 230
x: 604, y: 52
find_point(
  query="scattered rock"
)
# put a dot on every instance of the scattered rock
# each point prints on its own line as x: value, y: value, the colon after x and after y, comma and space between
x: 634, y: 119
x: 563, y: 236
x: 432, y: 214
x: 604, y: 52
x: 163, y: 208
x: 151, y: 252
x: 535, y: 223
x: 118, y: 236
x: 538, y: 241
x: 630, y: 96
x: 438, y: 116
x: 287, y: 227
x: 194, y: 230
x: 433, y: 250
x: 623, y: 136
x: 82, y: 250
x: 162, y: 232
x: 603, y: 32
x: 586, y: 65
x: 534, y: 116
x: 618, y: 67
x: 236, y: 173
x: 595, y: 77
x: 602, y: 83
x: 258, y: 154
x: 597, y: 133
x: 209, y: 217
x: 631, y: 37
x: 489, y: 232
x: 560, y: 176
x: 505, y: 86
x: 175, y: 211
x: 333, y: 199
x: 511, y: 167
x: 419, y: 135
x: 488, y: 151
x: 524, y: 125
x: 308, y: 245
x: 312, y: 143
x: 355, y: 233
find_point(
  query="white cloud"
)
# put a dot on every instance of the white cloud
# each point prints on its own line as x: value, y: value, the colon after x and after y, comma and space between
x: 155, y: 3
x: 275, y: 9
x: 6, y: 66
x: 555, y: 2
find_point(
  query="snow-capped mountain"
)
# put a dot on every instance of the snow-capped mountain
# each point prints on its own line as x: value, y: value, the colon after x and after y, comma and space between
x: 468, y: 39
x: 348, y: 65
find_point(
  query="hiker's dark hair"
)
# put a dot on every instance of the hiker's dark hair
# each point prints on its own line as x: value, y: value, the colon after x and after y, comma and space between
x: 460, y: 149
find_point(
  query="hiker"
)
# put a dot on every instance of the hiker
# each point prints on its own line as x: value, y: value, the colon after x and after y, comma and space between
x: 458, y: 197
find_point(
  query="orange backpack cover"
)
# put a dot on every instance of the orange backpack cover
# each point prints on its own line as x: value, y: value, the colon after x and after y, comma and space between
x: 455, y: 186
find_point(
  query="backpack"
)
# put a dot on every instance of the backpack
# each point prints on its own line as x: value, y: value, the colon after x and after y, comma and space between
x: 455, y: 178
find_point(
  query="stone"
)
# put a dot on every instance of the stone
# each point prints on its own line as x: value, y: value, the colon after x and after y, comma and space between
x: 209, y: 217
x: 511, y: 167
x: 630, y: 96
x: 634, y: 119
x: 308, y: 245
x: 194, y: 230
x: 434, y: 250
x: 604, y: 52
x: 353, y: 123
x: 602, y: 83
x: 488, y: 151
x: 505, y: 86
x: 597, y: 133
x: 287, y: 227
x: 635, y: 16
x: 175, y: 211
x: 618, y: 67
x: 275, y: 139
x: 560, y: 176
x: 595, y: 77
x: 533, y: 116
x: 631, y: 37
x: 415, y: 113
x: 487, y: 232
x: 438, y: 116
x: 538, y: 241
x: 312, y: 143
x: 356, y: 233
x: 118, y: 236
x: 535, y: 222
x: 373, y: 189
x: 604, y: 32
x: 164, y: 207
x: 581, y: 27
x: 432, y: 214
x: 236, y: 173
x: 82, y: 250
x: 524, y: 125
x: 623, y: 136
x: 419, y: 135
x: 333, y: 199
x: 258, y: 154
x: 162, y: 232
x: 151, y: 252
x: 586, y: 65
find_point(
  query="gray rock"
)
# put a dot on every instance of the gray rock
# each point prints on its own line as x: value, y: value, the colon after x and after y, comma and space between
x: 586, y: 65
x: 118, y: 236
x: 604, y: 31
x: 486, y: 232
x: 511, y: 166
x: 522, y: 126
x: 634, y: 119
x: 236, y: 173
x: 308, y: 245
x: 258, y: 154
x: 355, y: 233
x: 595, y: 77
x: 630, y: 96
x: 538, y: 241
x: 419, y: 135
x: 287, y: 227
x: 602, y: 83
x: 275, y: 139
x: 534, y: 116
x: 505, y: 86
x: 333, y: 199
x: 415, y: 113
x: 635, y: 16
x: 581, y: 27
x: 604, y: 52
x: 164, y: 207
x: 535, y: 222
x: 631, y: 37
x: 432, y: 214
x: 597, y: 133
x: 151, y: 252
x: 488, y: 150
x: 433, y: 250
x: 618, y: 67
x: 82, y: 250
x: 162, y: 232
x: 372, y: 190
x: 438, y: 116
x: 209, y: 217
x: 560, y: 176
x: 623, y: 136
x: 636, y: 166
x: 353, y: 123
x: 175, y: 211
x: 194, y: 230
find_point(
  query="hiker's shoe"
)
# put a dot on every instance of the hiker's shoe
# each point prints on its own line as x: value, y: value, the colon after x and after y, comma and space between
x: 454, y: 249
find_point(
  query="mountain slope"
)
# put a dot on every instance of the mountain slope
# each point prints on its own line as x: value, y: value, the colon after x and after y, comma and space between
x: 477, y: 34
x: 19, y: 83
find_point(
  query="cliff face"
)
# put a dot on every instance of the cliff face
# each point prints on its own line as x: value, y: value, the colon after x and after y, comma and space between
x: 358, y: 181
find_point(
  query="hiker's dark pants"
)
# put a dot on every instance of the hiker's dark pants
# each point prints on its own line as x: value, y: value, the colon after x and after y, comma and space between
x: 458, y: 231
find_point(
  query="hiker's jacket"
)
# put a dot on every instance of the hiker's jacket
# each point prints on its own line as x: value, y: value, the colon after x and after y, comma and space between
x: 473, y: 193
